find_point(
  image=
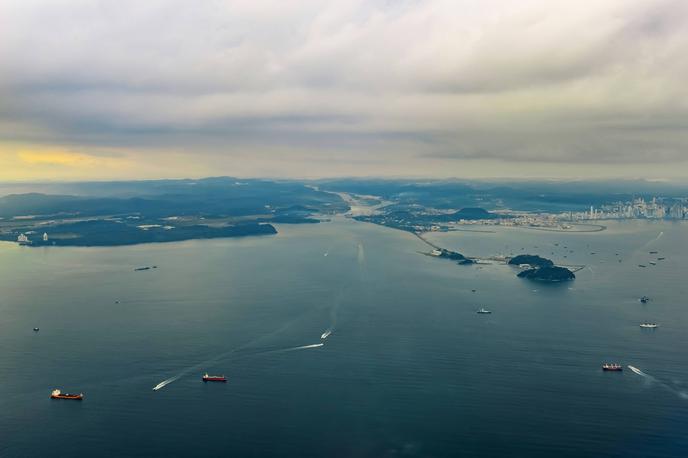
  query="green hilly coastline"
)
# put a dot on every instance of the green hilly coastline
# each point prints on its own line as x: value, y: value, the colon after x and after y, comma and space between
x: 127, y: 213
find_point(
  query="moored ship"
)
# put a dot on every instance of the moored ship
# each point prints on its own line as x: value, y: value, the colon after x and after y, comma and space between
x: 214, y: 378
x: 57, y: 394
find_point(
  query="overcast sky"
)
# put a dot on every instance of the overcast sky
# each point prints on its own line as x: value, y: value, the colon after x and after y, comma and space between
x: 301, y: 88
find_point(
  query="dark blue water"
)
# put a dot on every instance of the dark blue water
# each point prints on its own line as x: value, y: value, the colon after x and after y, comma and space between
x: 409, y: 369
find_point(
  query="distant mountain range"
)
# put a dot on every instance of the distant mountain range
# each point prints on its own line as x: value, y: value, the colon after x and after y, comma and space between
x: 549, y: 196
x: 165, y: 210
x: 159, y: 211
x: 210, y: 196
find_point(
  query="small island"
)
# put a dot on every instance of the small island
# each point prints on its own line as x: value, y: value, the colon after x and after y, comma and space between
x: 549, y: 274
x: 531, y: 260
x: 453, y: 255
x: 540, y: 269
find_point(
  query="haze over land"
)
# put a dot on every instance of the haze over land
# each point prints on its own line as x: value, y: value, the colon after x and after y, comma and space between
x: 129, y: 89
x: 387, y: 228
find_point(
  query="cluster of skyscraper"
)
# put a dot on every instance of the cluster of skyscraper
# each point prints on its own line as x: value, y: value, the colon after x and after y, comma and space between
x: 657, y: 208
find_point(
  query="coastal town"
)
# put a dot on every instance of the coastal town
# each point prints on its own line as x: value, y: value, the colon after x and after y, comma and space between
x: 422, y: 219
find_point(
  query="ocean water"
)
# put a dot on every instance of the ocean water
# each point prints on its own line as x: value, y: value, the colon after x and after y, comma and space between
x: 409, y: 368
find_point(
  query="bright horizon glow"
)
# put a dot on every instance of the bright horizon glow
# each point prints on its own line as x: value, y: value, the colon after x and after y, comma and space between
x: 306, y: 89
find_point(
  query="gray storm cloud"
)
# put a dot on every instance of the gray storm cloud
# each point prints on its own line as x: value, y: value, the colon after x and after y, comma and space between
x: 352, y: 82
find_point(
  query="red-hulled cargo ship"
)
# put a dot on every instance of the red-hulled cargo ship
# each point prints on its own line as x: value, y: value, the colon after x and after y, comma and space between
x: 57, y: 394
x: 214, y: 378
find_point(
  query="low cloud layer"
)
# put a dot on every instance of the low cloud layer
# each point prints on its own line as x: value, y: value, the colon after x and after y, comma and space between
x: 346, y: 87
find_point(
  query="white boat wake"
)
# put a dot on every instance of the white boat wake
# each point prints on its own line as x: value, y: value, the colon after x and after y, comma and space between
x: 286, y: 350
x: 659, y: 236
x: 651, y: 379
x: 334, y: 311
x: 302, y: 347
x: 164, y: 383
x: 592, y: 272
x: 361, y: 260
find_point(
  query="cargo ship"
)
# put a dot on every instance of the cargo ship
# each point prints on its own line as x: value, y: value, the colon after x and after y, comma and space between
x: 214, y: 378
x: 612, y: 367
x: 57, y: 394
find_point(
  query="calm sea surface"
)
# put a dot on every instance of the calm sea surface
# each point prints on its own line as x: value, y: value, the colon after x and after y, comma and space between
x: 409, y: 369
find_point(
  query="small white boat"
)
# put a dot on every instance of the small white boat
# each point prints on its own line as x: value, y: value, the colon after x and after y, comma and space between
x: 483, y: 311
x: 648, y: 325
